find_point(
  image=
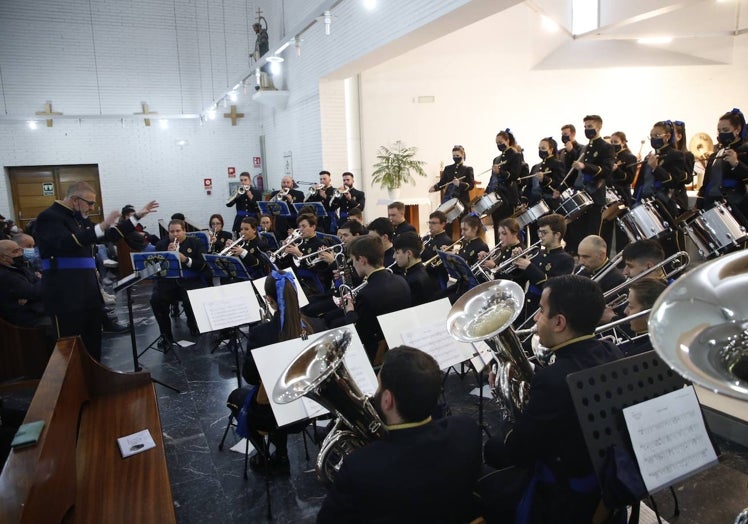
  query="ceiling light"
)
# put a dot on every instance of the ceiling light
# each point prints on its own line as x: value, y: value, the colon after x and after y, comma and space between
x: 233, y: 95
x: 328, y: 22
x: 212, y: 114
x: 275, y: 67
x: 164, y: 123
x: 370, y: 4
x: 32, y: 124
x: 654, y: 40
x: 275, y: 59
x: 548, y: 24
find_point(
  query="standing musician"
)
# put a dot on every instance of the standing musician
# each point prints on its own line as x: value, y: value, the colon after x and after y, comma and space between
x: 290, y: 195
x: 593, y: 260
x: 383, y: 293
x: 248, y: 250
x: 245, y: 199
x: 218, y: 238
x: 552, y: 260
x: 624, y: 172
x: 505, y: 173
x: 350, y: 198
x: 396, y: 215
x: 548, y: 175
x: 593, y: 169
x: 314, y: 278
x: 680, y: 194
x: 66, y: 238
x: 642, y: 296
x: 323, y: 194
x: 546, y: 439
x: 169, y: 290
x: 727, y: 169
x: 572, y: 149
x: 382, y: 228
x: 472, y: 239
x: 408, y: 247
x: 509, y: 241
x: 457, y: 180
x: 438, y: 238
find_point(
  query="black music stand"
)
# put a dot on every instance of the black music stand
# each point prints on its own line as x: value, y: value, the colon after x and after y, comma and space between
x: 127, y: 284
x: 319, y: 209
x: 269, y: 237
x: 230, y: 268
x: 273, y: 208
x: 601, y: 393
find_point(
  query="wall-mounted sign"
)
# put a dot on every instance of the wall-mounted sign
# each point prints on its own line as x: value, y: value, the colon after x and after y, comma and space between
x: 48, y: 189
x: 256, y: 161
x: 288, y: 163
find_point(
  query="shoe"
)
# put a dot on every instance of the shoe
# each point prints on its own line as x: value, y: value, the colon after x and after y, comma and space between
x: 175, y: 310
x: 111, y: 264
x: 109, y: 300
x: 278, y: 464
x: 112, y: 325
x: 165, y: 344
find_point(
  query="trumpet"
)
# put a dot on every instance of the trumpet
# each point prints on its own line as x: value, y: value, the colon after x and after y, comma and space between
x: 238, y: 242
x: 314, y: 188
x: 344, y: 190
x: 281, y: 251
x: 435, y: 261
x: 314, y: 258
x: 239, y: 191
x: 345, y: 289
x: 281, y: 195
x: 175, y: 244
x: 507, y: 266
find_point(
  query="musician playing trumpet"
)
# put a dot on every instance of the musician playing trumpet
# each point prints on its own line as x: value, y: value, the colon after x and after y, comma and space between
x: 437, y: 239
x: 508, y: 242
x: 289, y: 195
x: 248, y: 250
x: 347, y: 198
x: 315, y: 278
x: 323, y: 194
x: 408, y: 247
x: 642, y: 296
x: 245, y: 199
x: 218, y: 238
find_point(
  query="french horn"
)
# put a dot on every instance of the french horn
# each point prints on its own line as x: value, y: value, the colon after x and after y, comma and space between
x: 319, y: 374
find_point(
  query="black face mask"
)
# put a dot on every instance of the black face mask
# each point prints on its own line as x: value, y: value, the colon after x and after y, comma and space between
x: 565, y: 138
x: 18, y: 261
x: 617, y: 147
x: 656, y: 143
x: 502, y: 147
x: 457, y: 159
x: 725, y: 138
x: 543, y: 154
x: 590, y: 133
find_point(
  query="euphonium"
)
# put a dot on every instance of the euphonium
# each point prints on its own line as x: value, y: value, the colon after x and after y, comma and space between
x: 319, y: 373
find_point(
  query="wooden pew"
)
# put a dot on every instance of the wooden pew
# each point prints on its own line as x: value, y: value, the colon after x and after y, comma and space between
x: 75, y: 473
x: 24, y: 351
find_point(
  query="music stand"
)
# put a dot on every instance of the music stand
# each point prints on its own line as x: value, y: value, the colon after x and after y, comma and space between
x: 171, y: 267
x: 127, y: 284
x: 458, y: 269
x: 269, y: 237
x: 228, y: 267
x: 274, y: 208
x: 319, y: 209
x: 204, y: 239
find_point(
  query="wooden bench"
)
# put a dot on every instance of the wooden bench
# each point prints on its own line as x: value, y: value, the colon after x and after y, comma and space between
x: 75, y: 473
x: 24, y: 351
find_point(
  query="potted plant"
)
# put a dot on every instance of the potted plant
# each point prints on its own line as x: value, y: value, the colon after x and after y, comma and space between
x: 394, y: 167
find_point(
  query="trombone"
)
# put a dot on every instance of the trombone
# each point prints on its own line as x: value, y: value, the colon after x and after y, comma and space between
x: 238, y: 242
x: 680, y: 261
x: 314, y: 258
x: 435, y: 261
x: 507, y: 266
x: 281, y: 251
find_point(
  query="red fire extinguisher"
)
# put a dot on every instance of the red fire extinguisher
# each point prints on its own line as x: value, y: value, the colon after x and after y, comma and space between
x: 258, y: 182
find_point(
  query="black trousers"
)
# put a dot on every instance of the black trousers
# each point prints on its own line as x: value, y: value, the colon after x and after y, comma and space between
x: 161, y: 299
x: 85, y: 323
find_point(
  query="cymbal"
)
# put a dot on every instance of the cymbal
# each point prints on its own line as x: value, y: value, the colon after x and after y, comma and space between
x: 701, y: 145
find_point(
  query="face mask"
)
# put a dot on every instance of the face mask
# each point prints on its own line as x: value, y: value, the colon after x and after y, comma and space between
x: 656, y: 143
x: 29, y: 253
x: 18, y: 261
x: 502, y: 147
x: 725, y: 138
x: 457, y: 159
x: 617, y: 147
x: 542, y: 154
x: 590, y: 133
x: 565, y: 138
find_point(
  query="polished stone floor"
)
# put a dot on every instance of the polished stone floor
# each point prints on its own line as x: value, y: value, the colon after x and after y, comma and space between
x: 207, y: 484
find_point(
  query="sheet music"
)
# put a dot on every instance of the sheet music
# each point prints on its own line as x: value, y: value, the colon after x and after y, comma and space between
x: 434, y: 339
x: 669, y: 438
x: 227, y: 312
x: 483, y: 355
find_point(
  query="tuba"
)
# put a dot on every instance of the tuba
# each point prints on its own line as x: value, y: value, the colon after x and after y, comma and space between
x: 319, y: 373
x: 485, y: 313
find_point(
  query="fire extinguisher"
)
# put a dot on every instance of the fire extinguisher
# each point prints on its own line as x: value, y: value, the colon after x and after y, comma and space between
x: 258, y: 182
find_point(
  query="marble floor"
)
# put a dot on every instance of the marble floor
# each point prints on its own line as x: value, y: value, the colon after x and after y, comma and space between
x: 208, y: 484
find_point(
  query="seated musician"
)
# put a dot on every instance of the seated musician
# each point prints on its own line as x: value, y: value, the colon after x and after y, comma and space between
x: 357, y: 215
x: 642, y: 296
x: 396, y: 214
x: 593, y: 262
x: 21, y: 302
x: 473, y: 234
x: 408, y: 247
x: 546, y: 439
x: 314, y: 278
x: 248, y: 250
x: 383, y: 292
x: 641, y: 255
x: 508, y: 241
x: 438, y: 238
x: 287, y: 323
x: 219, y: 238
x: 383, y: 228
x: 139, y: 239
x: 423, y: 470
x: 551, y: 262
x: 169, y: 290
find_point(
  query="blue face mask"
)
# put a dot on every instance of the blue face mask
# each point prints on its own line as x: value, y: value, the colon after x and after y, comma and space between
x: 30, y: 253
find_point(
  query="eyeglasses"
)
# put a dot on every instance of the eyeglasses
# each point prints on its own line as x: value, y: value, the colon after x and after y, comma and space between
x: 657, y: 136
x: 216, y: 224
x: 544, y: 232
x: 91, y: 203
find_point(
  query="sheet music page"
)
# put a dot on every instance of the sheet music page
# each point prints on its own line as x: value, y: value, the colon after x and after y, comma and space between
x: 434, y: 339
x: 669, y: 438
x: 482, y: 355
x: 228, y: 312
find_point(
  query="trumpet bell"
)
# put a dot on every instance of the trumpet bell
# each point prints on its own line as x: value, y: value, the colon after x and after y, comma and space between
x: 485, y: 311
x: 699, y: 325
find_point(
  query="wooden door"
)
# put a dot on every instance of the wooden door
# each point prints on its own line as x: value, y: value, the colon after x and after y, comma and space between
x: 35, y: 188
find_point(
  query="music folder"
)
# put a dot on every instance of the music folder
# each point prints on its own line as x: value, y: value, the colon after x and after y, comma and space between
x: 319, y: 209
x: 168, y: 261
x: 227, y: 267
x: 273, y: 208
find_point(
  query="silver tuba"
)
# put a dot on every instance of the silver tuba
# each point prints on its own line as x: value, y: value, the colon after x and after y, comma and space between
x: 319, y: 373
x: 485, y: 313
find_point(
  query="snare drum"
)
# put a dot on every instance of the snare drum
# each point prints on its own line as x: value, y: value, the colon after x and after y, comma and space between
x: 573, y: 204
x: 716, y: 231
x: 644, y: 221
x: 532, y: 214
x: 487, y: 204
x: 453, y: 208
x: 613, y: 204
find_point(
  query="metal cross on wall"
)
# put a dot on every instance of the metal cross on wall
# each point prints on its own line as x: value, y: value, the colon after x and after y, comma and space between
x: 146, y: 112
x: 48, y: 111
x: 234, y: 116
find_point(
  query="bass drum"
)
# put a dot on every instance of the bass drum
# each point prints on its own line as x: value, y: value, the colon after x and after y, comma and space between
x: 644, y: 222
x: 532, y: 214
x: 487, y: 204
x: 573, y: 204
x: 453, y: 208
x: 716, y: 231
